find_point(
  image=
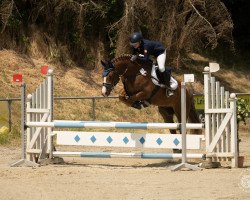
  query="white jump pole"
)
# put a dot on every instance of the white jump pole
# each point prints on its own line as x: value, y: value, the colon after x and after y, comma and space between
x: 119, y: 125
x: 126, y: 155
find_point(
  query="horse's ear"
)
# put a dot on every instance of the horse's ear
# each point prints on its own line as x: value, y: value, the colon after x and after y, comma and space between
x: 103, y: 63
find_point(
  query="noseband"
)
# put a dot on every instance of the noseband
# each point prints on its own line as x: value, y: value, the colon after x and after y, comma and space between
x: 109, y: 86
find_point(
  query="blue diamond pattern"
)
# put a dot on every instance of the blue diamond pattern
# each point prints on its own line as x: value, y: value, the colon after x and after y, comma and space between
x: 159, y: 141
x: 176, y: 141
x: 93, y: 139
x: 125, y: 140
x: 109, y: 139
x: 77, y: 138
x: 142, y: 140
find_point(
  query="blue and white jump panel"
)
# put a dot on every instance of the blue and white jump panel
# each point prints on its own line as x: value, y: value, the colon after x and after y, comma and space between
x: 126, y: 155
x: 117, y: 139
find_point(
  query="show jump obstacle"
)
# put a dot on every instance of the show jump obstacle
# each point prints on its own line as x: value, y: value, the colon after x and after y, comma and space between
x: 39, y: 129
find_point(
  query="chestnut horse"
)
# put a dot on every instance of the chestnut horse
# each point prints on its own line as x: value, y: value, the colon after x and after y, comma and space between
x: 138, y: 87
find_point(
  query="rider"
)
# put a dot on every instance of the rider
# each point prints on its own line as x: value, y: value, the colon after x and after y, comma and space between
x: 143, y: 49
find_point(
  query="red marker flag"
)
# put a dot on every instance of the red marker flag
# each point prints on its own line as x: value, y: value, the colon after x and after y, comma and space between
x: 44, y: 69
x: 17, y: 78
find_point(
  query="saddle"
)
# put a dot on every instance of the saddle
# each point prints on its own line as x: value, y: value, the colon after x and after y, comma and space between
x: 157, y: 79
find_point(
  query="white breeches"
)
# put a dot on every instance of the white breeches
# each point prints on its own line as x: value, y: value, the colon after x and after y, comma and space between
x: 173, y: 83
x: 161, y: 61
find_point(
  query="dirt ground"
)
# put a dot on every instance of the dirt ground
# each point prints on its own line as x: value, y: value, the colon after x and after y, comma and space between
x: 125, y: 179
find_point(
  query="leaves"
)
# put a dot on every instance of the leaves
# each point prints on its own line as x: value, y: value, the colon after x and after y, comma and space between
x: 242, y: 111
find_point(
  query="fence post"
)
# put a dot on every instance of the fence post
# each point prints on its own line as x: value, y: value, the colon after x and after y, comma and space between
x: 50, y: 100
x: 234, y: 135
x: 10, y: 116
x: 23, y: 160
x: 93, y: 109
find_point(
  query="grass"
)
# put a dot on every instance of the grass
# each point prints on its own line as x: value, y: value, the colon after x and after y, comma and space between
x: 10, y: 138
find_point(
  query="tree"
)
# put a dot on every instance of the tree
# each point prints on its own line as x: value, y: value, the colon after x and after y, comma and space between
x: 184, y: 26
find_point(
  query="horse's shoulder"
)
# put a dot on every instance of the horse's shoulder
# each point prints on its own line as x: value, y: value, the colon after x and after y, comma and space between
x: 148, y: 67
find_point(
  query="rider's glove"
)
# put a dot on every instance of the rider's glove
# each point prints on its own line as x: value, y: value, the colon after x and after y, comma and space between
x: 133, y: 58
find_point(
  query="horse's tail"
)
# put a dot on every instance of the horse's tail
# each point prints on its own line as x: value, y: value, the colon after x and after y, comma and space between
x: 193, y: 116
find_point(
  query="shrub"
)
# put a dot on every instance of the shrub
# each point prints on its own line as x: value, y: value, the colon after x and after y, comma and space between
x: 242, y: 111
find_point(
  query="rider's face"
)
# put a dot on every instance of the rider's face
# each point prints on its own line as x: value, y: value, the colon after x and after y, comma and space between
x: 136, y: 45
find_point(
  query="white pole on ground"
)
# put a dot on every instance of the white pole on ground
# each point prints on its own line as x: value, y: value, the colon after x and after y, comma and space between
x: 184, y: 163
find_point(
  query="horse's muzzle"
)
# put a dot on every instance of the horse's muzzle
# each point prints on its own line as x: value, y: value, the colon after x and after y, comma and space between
x: 106, y: 89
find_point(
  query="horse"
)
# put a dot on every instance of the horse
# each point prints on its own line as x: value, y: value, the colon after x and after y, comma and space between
x: 140, y: 91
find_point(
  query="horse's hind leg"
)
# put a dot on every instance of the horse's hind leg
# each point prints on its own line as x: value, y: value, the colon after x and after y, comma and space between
x: 167, y: 114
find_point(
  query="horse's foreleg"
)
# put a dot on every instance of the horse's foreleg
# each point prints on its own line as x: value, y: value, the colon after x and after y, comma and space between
x: 123, y: 98
x: 139, y: 96
x: 134, y: 101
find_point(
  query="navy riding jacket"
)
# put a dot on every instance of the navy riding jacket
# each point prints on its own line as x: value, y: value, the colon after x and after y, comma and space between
x: 148, y: 48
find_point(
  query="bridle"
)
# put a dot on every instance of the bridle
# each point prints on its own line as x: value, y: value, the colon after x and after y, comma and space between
x: 111, y: 85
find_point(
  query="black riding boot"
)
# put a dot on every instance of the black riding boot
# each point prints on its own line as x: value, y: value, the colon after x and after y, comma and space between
x: 166, y: 78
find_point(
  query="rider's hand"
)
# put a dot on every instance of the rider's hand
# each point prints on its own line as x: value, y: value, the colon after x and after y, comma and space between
x: 133, y: 58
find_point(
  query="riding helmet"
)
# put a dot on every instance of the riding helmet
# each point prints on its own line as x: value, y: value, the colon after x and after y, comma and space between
x: 136, y: 37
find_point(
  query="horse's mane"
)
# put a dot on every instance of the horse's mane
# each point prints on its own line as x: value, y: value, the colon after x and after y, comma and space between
x: 121, y: 57
x: 128, y: 57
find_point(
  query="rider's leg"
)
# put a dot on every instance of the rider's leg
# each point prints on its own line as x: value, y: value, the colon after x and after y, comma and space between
x: 161, y: 64
x: 167, y: 79
x: 161, y: 59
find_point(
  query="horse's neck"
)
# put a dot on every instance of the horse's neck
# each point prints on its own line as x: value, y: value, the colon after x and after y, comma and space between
x: 131, y: 69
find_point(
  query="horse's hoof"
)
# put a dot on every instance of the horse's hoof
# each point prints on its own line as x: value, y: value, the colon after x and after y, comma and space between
x: 137, y: 105
x: 209, y: 165
x: 177, y: 151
